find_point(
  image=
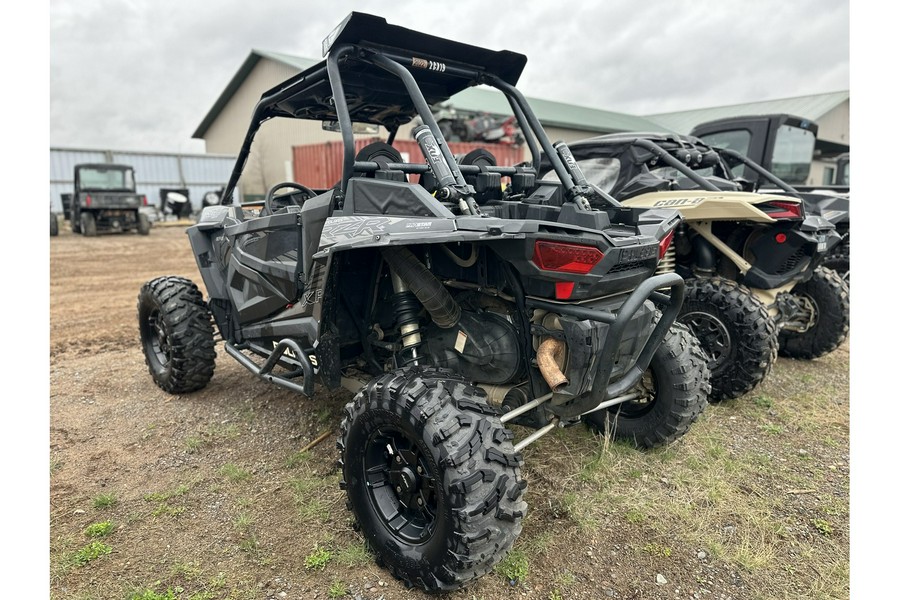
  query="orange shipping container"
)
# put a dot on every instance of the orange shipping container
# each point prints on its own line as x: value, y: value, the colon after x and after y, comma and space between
x: 319, y: 165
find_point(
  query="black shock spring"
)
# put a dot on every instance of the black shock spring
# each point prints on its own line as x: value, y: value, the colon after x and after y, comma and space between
x: 406, y: 309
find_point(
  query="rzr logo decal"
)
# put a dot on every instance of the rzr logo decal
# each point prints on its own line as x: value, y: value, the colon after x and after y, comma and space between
x: 351, y: 227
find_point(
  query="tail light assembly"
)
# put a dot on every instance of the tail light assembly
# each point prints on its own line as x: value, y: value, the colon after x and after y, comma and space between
x: 782, y: 210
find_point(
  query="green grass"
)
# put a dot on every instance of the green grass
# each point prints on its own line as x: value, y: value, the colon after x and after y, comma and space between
x: 234, y: 473
x: 354, y: 554
x: 243, y: 521
x: 101, y: 529
x: 317, y: 560
x: 90, y: 552
x: 181, y: 490
x: 105, y: 501
x: 165, y: 509
x: 337, y: 589
x: 823, y: 527
x: 654, y: 549
x: 151, y: 594
x: 514, y: 567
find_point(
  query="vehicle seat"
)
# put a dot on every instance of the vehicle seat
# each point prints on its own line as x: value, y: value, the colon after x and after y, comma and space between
x: 381, y: 153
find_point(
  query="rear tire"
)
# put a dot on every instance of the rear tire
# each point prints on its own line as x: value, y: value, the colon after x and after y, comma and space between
x: 840, y: 264
x: 54, y: 225
x: 675, y: 390
x: 88, y: 224
x: 143, y: 224
x: 736, y: 332
x: 432, y: 477
x: 176, y: 334
x: 830, y: 298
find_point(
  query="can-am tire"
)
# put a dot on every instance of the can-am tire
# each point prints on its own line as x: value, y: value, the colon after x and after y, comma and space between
x: 829, y: 296
x: 176, y: 334
x: 431, y: 477
x: 673, y: 393
x: 736, y: 332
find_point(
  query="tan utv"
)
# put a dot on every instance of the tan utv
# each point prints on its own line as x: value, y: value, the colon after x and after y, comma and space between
x: 751, y: 261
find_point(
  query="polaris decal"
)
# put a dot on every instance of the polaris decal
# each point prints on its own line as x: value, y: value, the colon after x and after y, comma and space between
x: 628, y: 255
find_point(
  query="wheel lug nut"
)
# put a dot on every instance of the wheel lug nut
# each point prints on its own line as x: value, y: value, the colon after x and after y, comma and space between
x: 420, y: 502
x: 397, y: 458
x: 398, y: 489
x: 420, y: 470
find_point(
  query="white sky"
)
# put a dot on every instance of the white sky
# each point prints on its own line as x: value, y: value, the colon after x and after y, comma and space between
x: 142, y: 74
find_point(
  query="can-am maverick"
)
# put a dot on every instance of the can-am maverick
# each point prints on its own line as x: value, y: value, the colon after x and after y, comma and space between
x: 751, y: 260
x: 451, y: 304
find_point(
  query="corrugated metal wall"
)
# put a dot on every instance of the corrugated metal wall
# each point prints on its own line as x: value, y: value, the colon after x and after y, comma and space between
x: 320, y: 165
x: 199, y: 173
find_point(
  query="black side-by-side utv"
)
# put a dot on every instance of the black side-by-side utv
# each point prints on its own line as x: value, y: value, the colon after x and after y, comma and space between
x: 454, y: 298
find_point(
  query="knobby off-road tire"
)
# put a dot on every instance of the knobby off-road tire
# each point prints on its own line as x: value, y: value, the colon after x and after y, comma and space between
x: 431, y: 477
x: 54, y: 225
x: 143, y: 226
x: 840, y: 264
x: 674, y: 393
x: 830, y: 298
x: 736, y: 332
x: 176, y: 334
x: 88, y: 224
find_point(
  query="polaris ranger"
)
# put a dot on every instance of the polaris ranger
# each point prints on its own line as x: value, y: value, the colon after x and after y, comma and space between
x: 106, y: 200
x: 450, y: 304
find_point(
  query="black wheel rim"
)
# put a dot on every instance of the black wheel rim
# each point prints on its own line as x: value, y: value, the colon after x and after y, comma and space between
x: 158, y: 340
x: 400, y: 485
x: 712, y: 335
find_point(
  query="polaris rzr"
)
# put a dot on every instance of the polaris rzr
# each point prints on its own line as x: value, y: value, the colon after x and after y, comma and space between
x: 751, y: 260
x: 452, y: 305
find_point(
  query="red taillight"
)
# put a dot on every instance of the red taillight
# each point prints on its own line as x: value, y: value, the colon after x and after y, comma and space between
x: 144, y: 200
x: 564, y: 289
x: 782, y: 210
x: 780, y: 238
x: 565, y: 258
x: 665, y: 243
x: 87, y: 200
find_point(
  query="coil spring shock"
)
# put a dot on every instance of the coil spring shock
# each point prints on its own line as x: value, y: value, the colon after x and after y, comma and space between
x: 406, y: 309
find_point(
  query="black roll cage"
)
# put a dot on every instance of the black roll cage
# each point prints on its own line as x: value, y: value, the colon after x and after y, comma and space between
x: 399, y: 65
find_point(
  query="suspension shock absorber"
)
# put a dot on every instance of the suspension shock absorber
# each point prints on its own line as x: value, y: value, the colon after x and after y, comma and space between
x: 406, y: 311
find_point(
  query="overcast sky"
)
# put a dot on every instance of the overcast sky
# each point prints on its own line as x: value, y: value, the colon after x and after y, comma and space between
x: 142, y: 74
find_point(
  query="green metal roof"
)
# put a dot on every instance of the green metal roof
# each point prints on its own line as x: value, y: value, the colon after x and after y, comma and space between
x: 477, y: 99
x: 554, y: 114
x: 812, y: 107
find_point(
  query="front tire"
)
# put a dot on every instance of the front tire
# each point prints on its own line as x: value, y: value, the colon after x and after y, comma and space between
x: 673, y: 393
x: 88, y: 224
x: 176, y: 334
x: 827, y: 297
x: 54, y: 225
x: 736, y: 332
x: 431, y: 477
x: 143, y: 227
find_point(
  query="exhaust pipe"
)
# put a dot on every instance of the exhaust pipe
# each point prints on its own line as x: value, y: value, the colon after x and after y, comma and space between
x: 549, y: 352
x: 424, y: 285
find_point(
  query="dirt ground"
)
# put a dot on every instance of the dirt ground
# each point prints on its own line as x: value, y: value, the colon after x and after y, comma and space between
x: 206, y: 496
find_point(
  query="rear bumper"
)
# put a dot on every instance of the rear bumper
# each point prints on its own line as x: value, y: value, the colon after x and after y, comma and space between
x: 610, y: 348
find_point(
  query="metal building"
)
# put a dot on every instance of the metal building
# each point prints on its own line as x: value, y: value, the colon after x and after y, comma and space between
x: 198, y: 173
x: 224, y: 126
